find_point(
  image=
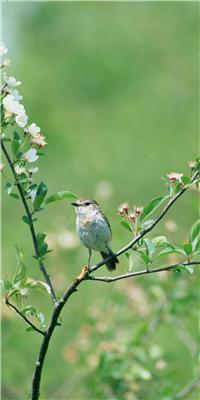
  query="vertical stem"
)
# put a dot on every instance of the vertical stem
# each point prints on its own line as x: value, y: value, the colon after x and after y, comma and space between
x: 31, y: 226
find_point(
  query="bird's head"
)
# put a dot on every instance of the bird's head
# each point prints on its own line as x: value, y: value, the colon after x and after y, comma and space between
x: 85, y: 206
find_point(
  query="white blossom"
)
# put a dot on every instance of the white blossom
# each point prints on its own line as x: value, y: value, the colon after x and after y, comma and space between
x: 9, y: 103
x: 32, y: 194
x: 31, y: 155
x: 17, y: 96
x: 33, y: 129
x: 19, y: 170
x: 3, y: 49
x: 33, y: 170
x: 6, y: 62
x: 174, y: 176
x: 39, y: 140
x: 21, y: 120
x: 11, y: 81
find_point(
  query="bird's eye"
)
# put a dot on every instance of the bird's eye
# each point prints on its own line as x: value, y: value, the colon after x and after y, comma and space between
x: 87, y: 203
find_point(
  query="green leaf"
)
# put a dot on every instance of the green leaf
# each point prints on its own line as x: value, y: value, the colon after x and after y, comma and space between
x: 14, y: 195
x: 26, y: 219
x: 40, y: 195
x: 8, y: 189
x: 189, y: 268
x: 195, y: 231
x: 188, y: 248
x: 159, y: 241
x: 15, y: 147
x: 147, y: 224
x: 145, y: 258
x: 152, y: 206
x: 127, y: 226
x: 33, y: 284
x: 186, y: 180
x: 60, y: 196
x: 130, y: 261
x: 150, y: 248
x: 6, y: 284
x: 20, y: 274
x: 170, y: 250
x: 43, y: 246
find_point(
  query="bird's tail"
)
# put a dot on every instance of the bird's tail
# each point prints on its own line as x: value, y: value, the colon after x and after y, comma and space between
x: 111, y: 264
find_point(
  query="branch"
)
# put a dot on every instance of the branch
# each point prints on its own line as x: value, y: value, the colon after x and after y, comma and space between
x: 145, y: 231
x: 23, y: 316
x: 188, y: 389
x: 31, y: 226
x: 45, y: 343
x: 143, y: 272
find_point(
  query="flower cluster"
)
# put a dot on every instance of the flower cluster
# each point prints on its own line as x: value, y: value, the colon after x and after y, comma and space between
x: 24, y: 147
x: 124, y: 210
x: 131, y: 214
x: 174, y: 176
x: 14, y: 111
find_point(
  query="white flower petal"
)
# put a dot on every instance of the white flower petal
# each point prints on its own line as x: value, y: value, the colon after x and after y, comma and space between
x: 3, y: 49
x: 11, y: 81
x: 33, y: 129
x: 21, y: 120
x: 31, y: 155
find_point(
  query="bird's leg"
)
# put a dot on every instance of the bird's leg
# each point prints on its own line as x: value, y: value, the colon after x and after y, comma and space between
x: 90, y: 255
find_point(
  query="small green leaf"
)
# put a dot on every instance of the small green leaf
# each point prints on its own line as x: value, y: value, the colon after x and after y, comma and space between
x: 189, y: 268
x: 171, y: 250
x: 127, y: 226
x: 42, y: 245
x: 145, y: 257
x: 26, y: 219
x: 15, y: 147
x: 130, y: 261
x: 186, y: 180
x: 152, y: 206
x: 40, y: 195
x: 188, y: 248
x: 60, y: 196
x: 20, y: 274
x: 9, y: 188
x: 195, y: 231
x: 147, y: 224
x: 150, y: 248
x: 159, y: 241
x: 6, y: 284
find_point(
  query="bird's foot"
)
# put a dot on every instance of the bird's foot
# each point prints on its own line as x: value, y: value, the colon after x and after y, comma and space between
x: 83, y: 274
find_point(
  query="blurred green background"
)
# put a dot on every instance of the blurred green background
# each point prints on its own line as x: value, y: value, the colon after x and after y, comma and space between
x: 114, y: 87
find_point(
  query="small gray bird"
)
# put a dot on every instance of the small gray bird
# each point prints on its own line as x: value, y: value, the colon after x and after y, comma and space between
x: 94, y: 229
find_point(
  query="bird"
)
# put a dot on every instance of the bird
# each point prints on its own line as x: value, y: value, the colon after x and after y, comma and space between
x: 94, y: 230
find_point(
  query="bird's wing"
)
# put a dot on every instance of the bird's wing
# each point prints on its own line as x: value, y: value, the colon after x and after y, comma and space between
x: 108, y: 223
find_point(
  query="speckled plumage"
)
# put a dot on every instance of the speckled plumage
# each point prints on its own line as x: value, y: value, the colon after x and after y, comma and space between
x: 94, y: 229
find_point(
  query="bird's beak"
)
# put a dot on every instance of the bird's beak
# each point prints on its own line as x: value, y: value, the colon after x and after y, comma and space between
x: 75, y: 203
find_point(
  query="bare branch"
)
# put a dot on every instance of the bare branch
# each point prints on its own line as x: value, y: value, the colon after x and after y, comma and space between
x: 24, y: 318
x: 147, y: 230
x: 109, y: 279
x: 31, y: 226
x: 188, y: 389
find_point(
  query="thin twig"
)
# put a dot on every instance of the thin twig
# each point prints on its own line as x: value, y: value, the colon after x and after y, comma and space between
x: 147, y: 230
x: 109, y: 279
x: 188, y: 389
x: 31, y: 226
x: 23, y: 316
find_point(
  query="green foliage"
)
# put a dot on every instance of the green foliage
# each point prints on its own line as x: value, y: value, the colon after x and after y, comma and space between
x: 40, y: 196
x: 60, y: 196
x: 127, y: 226
x: 152, y: 206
